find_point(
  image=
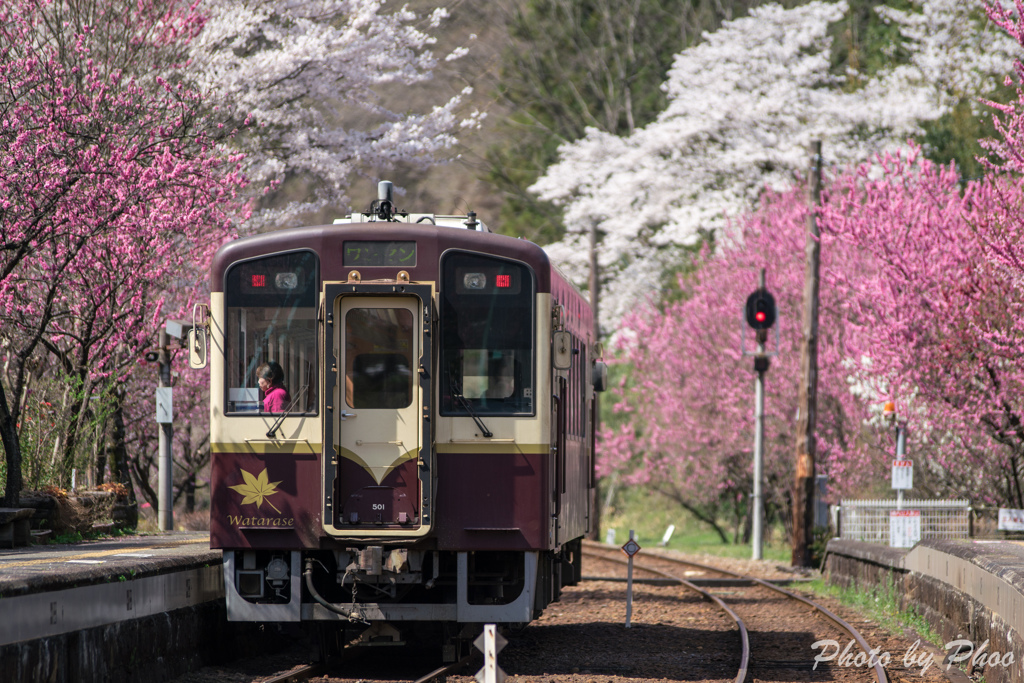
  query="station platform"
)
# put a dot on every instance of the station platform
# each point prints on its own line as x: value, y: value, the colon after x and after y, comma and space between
x: 49, y: 590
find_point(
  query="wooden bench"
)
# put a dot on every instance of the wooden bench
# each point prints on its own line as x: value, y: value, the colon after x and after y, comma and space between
x: 15, y: 526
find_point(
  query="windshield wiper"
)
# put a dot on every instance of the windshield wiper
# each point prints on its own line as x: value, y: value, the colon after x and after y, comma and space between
x: 286, y: 413
x: 457, y: 393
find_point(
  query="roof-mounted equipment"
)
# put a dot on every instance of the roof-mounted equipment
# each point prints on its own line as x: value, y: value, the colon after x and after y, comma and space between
x: 384, y: 207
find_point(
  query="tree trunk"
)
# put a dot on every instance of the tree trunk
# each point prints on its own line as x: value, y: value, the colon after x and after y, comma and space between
x: 120, y: 471
x: 190, y: 493
x: 12, y: 451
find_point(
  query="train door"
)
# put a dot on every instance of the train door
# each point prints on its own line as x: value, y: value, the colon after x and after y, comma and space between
x: 560, y: 416
x: 378, y: 430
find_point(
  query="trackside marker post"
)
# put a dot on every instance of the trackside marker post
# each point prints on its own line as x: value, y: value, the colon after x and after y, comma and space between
x: 631, y: 548
x: 490, y: 642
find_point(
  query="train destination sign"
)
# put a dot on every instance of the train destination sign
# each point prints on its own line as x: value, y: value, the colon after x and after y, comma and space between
x: 379, y: 253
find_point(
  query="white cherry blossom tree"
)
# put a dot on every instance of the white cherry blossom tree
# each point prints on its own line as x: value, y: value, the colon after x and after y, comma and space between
x: 743, y: 107
x: 306, y: 75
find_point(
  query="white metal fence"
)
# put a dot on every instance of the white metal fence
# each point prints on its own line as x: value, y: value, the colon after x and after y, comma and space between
x: 868, y: 520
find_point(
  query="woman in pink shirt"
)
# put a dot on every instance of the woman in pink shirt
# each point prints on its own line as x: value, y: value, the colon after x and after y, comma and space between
x: 270, y: 377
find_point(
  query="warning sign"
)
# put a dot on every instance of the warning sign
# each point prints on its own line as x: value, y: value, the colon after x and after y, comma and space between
x: 904, y: 528
x: 903, y: 474
x: 1011, y: 520
x: 631, y: 548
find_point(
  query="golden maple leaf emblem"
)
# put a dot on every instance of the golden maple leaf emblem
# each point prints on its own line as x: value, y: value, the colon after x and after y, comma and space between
x: 256, y: 488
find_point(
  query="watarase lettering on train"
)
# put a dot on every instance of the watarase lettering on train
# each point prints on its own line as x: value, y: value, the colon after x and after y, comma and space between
x: 239, y: 520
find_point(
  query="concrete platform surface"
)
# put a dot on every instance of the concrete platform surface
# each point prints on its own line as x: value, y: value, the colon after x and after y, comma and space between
x: 44, y: 568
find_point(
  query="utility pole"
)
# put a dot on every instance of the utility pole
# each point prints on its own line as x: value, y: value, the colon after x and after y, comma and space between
x: 803, y: 493
x: 595, y: 299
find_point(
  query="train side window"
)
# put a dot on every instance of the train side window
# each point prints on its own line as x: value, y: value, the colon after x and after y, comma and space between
x: 272, y: 316
x: 487, y: 336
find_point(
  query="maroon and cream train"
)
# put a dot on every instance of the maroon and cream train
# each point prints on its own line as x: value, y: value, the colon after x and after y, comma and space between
x: 435, y: 463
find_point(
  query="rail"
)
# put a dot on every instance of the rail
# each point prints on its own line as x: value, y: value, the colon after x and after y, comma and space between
x: 741, y: 675
x: 880, y: 675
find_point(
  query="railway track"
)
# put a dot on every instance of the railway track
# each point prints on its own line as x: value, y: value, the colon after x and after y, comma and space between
x: 606, y: 554
x: 726, y: 629
x: 308, y: 671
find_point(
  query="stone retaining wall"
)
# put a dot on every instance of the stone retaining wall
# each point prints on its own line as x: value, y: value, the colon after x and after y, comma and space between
x: 148, y: 650
x: 950, y: 608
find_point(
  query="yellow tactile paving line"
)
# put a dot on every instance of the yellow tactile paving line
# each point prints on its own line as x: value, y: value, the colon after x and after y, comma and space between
x: 101, y: 553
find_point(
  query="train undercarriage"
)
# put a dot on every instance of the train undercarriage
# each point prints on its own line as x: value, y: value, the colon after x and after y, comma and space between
x: 380, y: 595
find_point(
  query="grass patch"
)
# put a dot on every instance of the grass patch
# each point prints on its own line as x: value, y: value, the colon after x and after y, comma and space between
x: 649, y: 515
x: 880, y: 604
x: 71, y: 537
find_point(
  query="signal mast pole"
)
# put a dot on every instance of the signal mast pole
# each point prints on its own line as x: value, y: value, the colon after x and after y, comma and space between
x: 761, y: 313
x: 760, y: 366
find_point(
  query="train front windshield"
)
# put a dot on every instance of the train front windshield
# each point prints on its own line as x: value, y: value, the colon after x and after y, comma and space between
x: 272, y: 318
x: 487, y: 336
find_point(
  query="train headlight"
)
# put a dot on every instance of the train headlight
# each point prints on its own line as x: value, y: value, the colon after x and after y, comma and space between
x: 474, y: 280
x: 277, y: 572
x: 286, y: 280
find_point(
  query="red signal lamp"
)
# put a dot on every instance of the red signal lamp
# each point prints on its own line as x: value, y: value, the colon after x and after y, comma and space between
x: 760, y: 310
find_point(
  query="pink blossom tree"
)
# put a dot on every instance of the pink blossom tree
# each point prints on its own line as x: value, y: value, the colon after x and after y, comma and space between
x: 111, y: 185
x: 937, y: 321
x: 922, y: 298
x: 921, y: 302
x: 691, y: 394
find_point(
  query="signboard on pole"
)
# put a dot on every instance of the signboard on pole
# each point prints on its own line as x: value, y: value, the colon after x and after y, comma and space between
x: 904, y: 528
x: 1011, y: 520
x: 903, y: 474
x: 164, y: 405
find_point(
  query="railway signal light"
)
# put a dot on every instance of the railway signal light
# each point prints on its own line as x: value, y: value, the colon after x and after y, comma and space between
x: 761, y: 312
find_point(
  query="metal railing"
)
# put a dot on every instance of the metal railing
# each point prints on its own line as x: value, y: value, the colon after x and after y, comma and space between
x: 868, y: 520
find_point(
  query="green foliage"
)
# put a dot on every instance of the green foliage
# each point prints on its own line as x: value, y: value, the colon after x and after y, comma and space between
x: 864, y: 44
x: 575, y: 64
x: 56, y: 401
x: 77, y: 536
x: 822, y: 535
x: 69, y: 537
x: 956, y: 136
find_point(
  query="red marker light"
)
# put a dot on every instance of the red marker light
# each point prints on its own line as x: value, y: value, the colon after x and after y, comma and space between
x: 759, y: 316
x: 259, y: 280
x: 502, y: 281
